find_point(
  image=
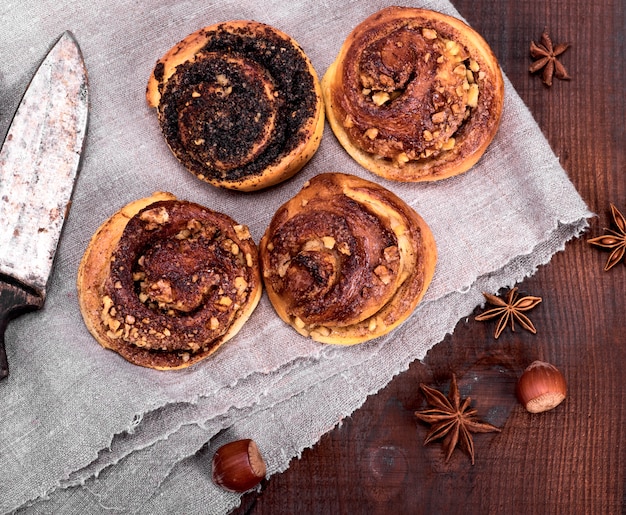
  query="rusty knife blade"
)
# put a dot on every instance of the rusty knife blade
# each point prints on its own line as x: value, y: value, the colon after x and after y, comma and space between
x: 39, y: 162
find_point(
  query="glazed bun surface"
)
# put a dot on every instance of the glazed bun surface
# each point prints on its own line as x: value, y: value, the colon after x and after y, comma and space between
x: 239, y: 105
x: 165, y: 282
x: 414, y: 95
x: 346, y: 260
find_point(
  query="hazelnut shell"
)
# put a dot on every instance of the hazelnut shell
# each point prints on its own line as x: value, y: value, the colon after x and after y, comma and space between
x: 238, y: 466
x: 541, y: 387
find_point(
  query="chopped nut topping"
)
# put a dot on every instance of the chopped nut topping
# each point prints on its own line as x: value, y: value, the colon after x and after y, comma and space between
x: 472, y: 96
x: 452, y: 47
x: 344, y: 248
x: 320, y: 331
x: 328, y: 241
x: 383, y: 274
x: 371, y: 133
x: 402, y: 158
x: 283, y: 267
x: 460, y: 70
x: 155, y: 217
x: 312, y: 245
x: 225, y: 301
x: 439, y: 117
x: 429, y: 33
x: 391, y: 253
x: 449, y: 144
x: 241, y: 284
x: 162, y: 291
x: 114, y: 336
x: 107, y: 302
x: 380, y: 97
x: 242, y: 231
x: 183, y: 235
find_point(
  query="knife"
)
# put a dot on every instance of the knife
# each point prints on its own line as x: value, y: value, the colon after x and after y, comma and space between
x: 39, y: 162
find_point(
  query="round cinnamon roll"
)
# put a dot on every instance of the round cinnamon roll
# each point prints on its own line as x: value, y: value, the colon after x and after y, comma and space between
x: 346, y: 260
x: 239, y: 104
x: 165, y: 282
x: 414, y: 95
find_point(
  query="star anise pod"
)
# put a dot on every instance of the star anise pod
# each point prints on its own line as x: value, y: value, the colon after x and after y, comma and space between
x: 452, y: 419
x: 511, y: 310
x: 614, y: 240
x: 546, y: 54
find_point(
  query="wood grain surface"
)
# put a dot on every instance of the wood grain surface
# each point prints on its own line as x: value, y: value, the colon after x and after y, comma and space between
x: 571, y: 460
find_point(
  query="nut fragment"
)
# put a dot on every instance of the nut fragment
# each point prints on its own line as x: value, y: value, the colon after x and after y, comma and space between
x: 429, y: 33
x: 380, y: 97
x: 472, y: 95
x: 449, y: 144
x: 371, y: 133
x: 155, y: 217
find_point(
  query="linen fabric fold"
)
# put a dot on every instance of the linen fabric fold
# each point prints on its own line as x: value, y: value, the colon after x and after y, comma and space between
x: 82, y: 430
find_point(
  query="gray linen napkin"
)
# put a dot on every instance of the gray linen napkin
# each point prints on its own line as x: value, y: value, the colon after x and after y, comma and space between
x: 83, y: 431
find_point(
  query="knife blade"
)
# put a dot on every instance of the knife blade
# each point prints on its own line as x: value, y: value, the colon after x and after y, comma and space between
x: 39, y: 162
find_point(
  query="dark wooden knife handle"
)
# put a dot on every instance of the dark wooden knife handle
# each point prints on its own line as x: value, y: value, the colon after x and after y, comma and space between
x: 14, y: 301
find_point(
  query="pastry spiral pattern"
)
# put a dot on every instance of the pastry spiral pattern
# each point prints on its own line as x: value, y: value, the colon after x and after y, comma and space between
x: 414, y: 95
x: 346, y: 260
x: 165, y: 282
x: 239, y: 104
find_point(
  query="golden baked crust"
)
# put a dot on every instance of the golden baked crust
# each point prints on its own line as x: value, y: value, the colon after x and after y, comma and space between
x: 414, y: 95
x: 165, y: 282
x: 346, y: 260
x: 239, y: 104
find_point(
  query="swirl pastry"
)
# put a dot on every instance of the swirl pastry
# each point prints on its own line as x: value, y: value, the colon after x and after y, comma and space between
x: 165, y: 282
x: 414, y: 95
x: 239, y: 104
x: 346, y: 260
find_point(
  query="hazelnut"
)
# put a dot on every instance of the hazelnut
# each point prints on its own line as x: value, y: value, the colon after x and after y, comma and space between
x: 541, y: 387
x: 238, y: 466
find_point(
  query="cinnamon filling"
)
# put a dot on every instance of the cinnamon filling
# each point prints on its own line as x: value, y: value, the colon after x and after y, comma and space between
x: 332, y: 264
x: 407, y: 90
x: 178, y: 278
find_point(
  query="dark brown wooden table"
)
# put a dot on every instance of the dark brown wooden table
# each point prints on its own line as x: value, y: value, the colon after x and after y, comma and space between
x: 571, y: 460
